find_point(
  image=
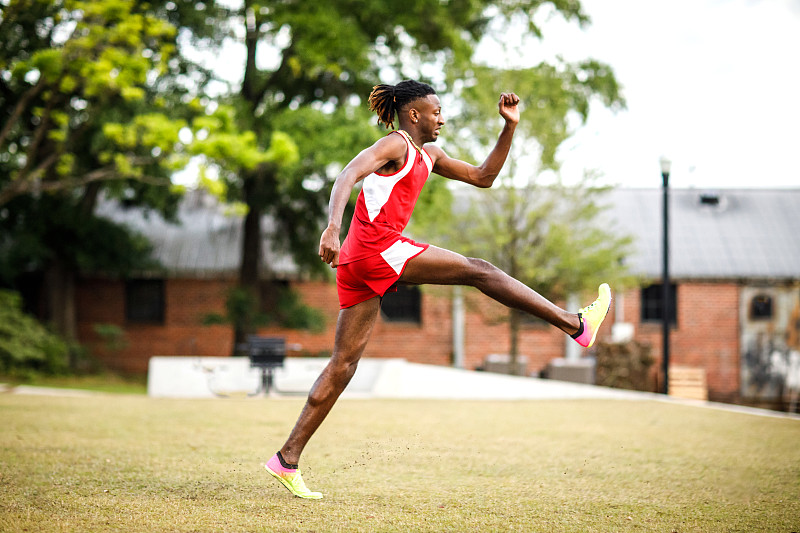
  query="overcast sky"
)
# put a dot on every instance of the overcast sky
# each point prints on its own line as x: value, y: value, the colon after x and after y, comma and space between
x: 712, y: 84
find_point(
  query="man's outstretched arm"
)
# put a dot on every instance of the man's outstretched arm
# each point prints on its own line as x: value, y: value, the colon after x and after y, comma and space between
x: 484, y: 175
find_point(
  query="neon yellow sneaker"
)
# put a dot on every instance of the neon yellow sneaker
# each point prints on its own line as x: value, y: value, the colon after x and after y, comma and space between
x: 592, y: 316
x: 291, y: 479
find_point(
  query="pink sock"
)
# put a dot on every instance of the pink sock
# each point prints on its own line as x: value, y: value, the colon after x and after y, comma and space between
x: 584, y: 333
x: 275, y: 465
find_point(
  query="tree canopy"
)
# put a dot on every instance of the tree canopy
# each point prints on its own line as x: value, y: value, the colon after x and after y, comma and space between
x: 93, y: 99
x: 87, y: 96
x: 101, y: 98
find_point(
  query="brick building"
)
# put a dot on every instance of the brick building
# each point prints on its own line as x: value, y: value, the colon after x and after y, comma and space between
x: 735, y: 265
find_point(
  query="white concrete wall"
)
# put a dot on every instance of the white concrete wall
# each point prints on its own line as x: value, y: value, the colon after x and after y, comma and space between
x: 210, y: 377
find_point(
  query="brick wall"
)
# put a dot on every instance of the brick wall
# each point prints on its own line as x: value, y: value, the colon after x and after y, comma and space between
x: 430, y: 341
x: 707, y: 334
x: 487, y: 332
x: 186, y: 303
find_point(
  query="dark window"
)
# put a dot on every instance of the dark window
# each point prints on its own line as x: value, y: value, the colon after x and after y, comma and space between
x: 405, y: 305
x: 761, y: 307
x: 651, y: 303
x: 144, y: 301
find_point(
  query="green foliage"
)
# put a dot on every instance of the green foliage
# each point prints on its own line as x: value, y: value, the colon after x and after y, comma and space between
x: 244, y: 312
x: 94, y: 96
x: 112, y: 336
x: 242, y: 309
x: 290, y: 312
x: 35, y: 233
x: 549, y: 94
x: 219, y: 139
x: 25, y: 344
x: 81, y: 104
x: 577, y: 250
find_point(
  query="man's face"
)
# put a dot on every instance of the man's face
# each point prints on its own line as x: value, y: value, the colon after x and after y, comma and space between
x: 429, y: 111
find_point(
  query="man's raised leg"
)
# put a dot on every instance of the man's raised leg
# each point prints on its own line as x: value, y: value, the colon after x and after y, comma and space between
x: 353, y: 329
x: 443, y: 267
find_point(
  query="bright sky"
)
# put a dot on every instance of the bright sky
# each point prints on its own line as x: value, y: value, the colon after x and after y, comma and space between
x: 712, y: 84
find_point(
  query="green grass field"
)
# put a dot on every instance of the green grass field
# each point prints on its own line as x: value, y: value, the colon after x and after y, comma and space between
x: 114, y: 462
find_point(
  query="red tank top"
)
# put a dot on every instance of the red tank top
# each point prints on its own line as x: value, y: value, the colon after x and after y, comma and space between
x: 385, y: 204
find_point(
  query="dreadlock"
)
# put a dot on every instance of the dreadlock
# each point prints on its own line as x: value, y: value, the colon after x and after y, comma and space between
x: 385, y: 100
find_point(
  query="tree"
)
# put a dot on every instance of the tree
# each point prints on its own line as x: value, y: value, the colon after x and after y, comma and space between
x: 93, y: 98
x: 75, y: 103
x: 545, y: 236
x: 325, y: 54
x: 548, y: 237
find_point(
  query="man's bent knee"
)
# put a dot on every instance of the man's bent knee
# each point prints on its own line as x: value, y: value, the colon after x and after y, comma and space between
x: 479, y: 271
x: 333, y: 380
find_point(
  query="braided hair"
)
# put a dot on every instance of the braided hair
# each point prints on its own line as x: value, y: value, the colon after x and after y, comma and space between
x: 385, y: 100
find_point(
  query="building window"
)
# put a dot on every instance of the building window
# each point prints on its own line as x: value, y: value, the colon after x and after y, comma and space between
x: 144, y: 301
x: 405, y: 305
x: 761, y: 307
x: 651, y: 303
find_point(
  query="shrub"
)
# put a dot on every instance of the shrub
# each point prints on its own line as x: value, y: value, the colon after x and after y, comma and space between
x: 25, y: 344
x: 286, y: 310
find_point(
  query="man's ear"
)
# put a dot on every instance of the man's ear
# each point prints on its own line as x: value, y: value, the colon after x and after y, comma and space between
x: 413, y: 114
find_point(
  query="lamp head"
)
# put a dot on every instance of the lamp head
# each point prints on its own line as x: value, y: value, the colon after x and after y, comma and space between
x: 665, y: 166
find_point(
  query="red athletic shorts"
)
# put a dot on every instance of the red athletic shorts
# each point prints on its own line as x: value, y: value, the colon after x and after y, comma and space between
x: 376, y: 275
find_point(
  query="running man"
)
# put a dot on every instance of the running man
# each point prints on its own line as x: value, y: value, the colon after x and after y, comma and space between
x: 376, y: 256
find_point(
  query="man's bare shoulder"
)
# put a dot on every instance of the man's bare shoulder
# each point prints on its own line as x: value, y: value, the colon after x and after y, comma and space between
x: 390, y: 147
x: 434, y: 152
x: 390, y: 142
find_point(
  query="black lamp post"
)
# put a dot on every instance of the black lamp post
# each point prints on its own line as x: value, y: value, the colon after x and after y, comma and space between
x: 665, y: 299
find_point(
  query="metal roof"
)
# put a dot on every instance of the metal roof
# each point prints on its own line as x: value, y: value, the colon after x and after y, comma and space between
x: 747, y: 234
x: 719, y: 234
x: 206, y: 241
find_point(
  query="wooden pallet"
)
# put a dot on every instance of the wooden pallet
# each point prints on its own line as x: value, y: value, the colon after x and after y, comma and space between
x: 688, y: 382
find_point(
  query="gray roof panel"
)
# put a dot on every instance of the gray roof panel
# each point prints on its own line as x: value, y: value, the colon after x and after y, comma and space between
x: 206, y: 241
x: 750, y: 233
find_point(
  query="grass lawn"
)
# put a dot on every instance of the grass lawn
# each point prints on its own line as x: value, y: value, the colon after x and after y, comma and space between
x: 116, y: 462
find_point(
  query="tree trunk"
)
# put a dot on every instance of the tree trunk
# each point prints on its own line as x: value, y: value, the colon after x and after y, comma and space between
x: 251, y: 241
x: 252, y: 181
x: 514, y: 315
x: 250, y: 269
x: 514, y: 320
x: 59, y: 281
